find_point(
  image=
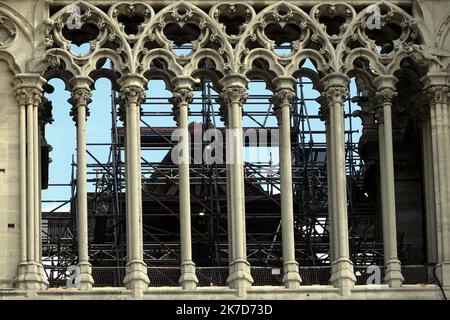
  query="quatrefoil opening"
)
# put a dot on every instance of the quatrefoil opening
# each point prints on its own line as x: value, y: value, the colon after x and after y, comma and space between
x: 131, y: 17
x: 282, y: 33
x: 233, y: 18
x: 182, y: 34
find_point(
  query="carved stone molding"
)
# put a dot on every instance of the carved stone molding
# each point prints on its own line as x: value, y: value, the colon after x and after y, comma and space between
x: 8, y: 32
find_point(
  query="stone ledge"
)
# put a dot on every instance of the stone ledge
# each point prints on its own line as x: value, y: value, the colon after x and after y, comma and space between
x: 380, y: 292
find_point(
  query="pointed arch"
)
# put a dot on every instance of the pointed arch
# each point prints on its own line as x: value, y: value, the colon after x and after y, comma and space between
x: 357, y: 41
x: 109, y: 36
x: 20, y: 21
x: 181, y: 14
x: 311, y: 42
x: 443, y: 33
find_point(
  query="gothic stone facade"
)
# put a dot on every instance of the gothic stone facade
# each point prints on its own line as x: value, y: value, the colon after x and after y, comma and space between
x: 412, y: 38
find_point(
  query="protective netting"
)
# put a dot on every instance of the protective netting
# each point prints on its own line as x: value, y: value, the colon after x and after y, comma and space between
x: 217, y: 276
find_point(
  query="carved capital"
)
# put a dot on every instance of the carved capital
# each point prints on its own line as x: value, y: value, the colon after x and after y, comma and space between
x: 27, y: 96
x: 385, y: 96
x: 180, y: 97
x: 132, y: 94
x: 81, y: 97
x: 132, y: 89
x: 438, y: 94
x: 336, y: 95
x: 282, y: 99
x: 229, y: 96
x: 233, y: 95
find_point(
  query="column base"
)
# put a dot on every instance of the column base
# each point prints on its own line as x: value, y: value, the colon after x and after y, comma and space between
x: 443, y: 273
x: 343, y: 276
x: 394, y: 277
x: 188, y: 279
x: 240, y: 277
x: 19, y: 282
x: 136, y: 277
x: 291, y: 278
x: 31, y: 277
x: 86, y: 281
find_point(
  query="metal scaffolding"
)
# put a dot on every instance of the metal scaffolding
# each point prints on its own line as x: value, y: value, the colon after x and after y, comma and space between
x: 107, y: 238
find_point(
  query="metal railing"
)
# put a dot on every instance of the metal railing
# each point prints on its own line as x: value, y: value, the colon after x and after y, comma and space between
x: 217, y: 276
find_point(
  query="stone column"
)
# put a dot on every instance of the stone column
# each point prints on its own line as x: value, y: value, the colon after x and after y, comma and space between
x: 421, y: 114
x: 438, y: 89
x: 132, y: 93
x: 429, y: 185
x: 336, y: 92
x: 232, y: 99
x: 385, y: 95
x: 37, y: 192
x: 224, y: 117
x: 325, y: 116
x: 29, y: 92
x: 182, y: 97
x: 283, y: 99
x: 81, y: 93
x: 24, y: 100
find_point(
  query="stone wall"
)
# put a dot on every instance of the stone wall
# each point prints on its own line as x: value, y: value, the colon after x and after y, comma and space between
x: 9, y: 180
